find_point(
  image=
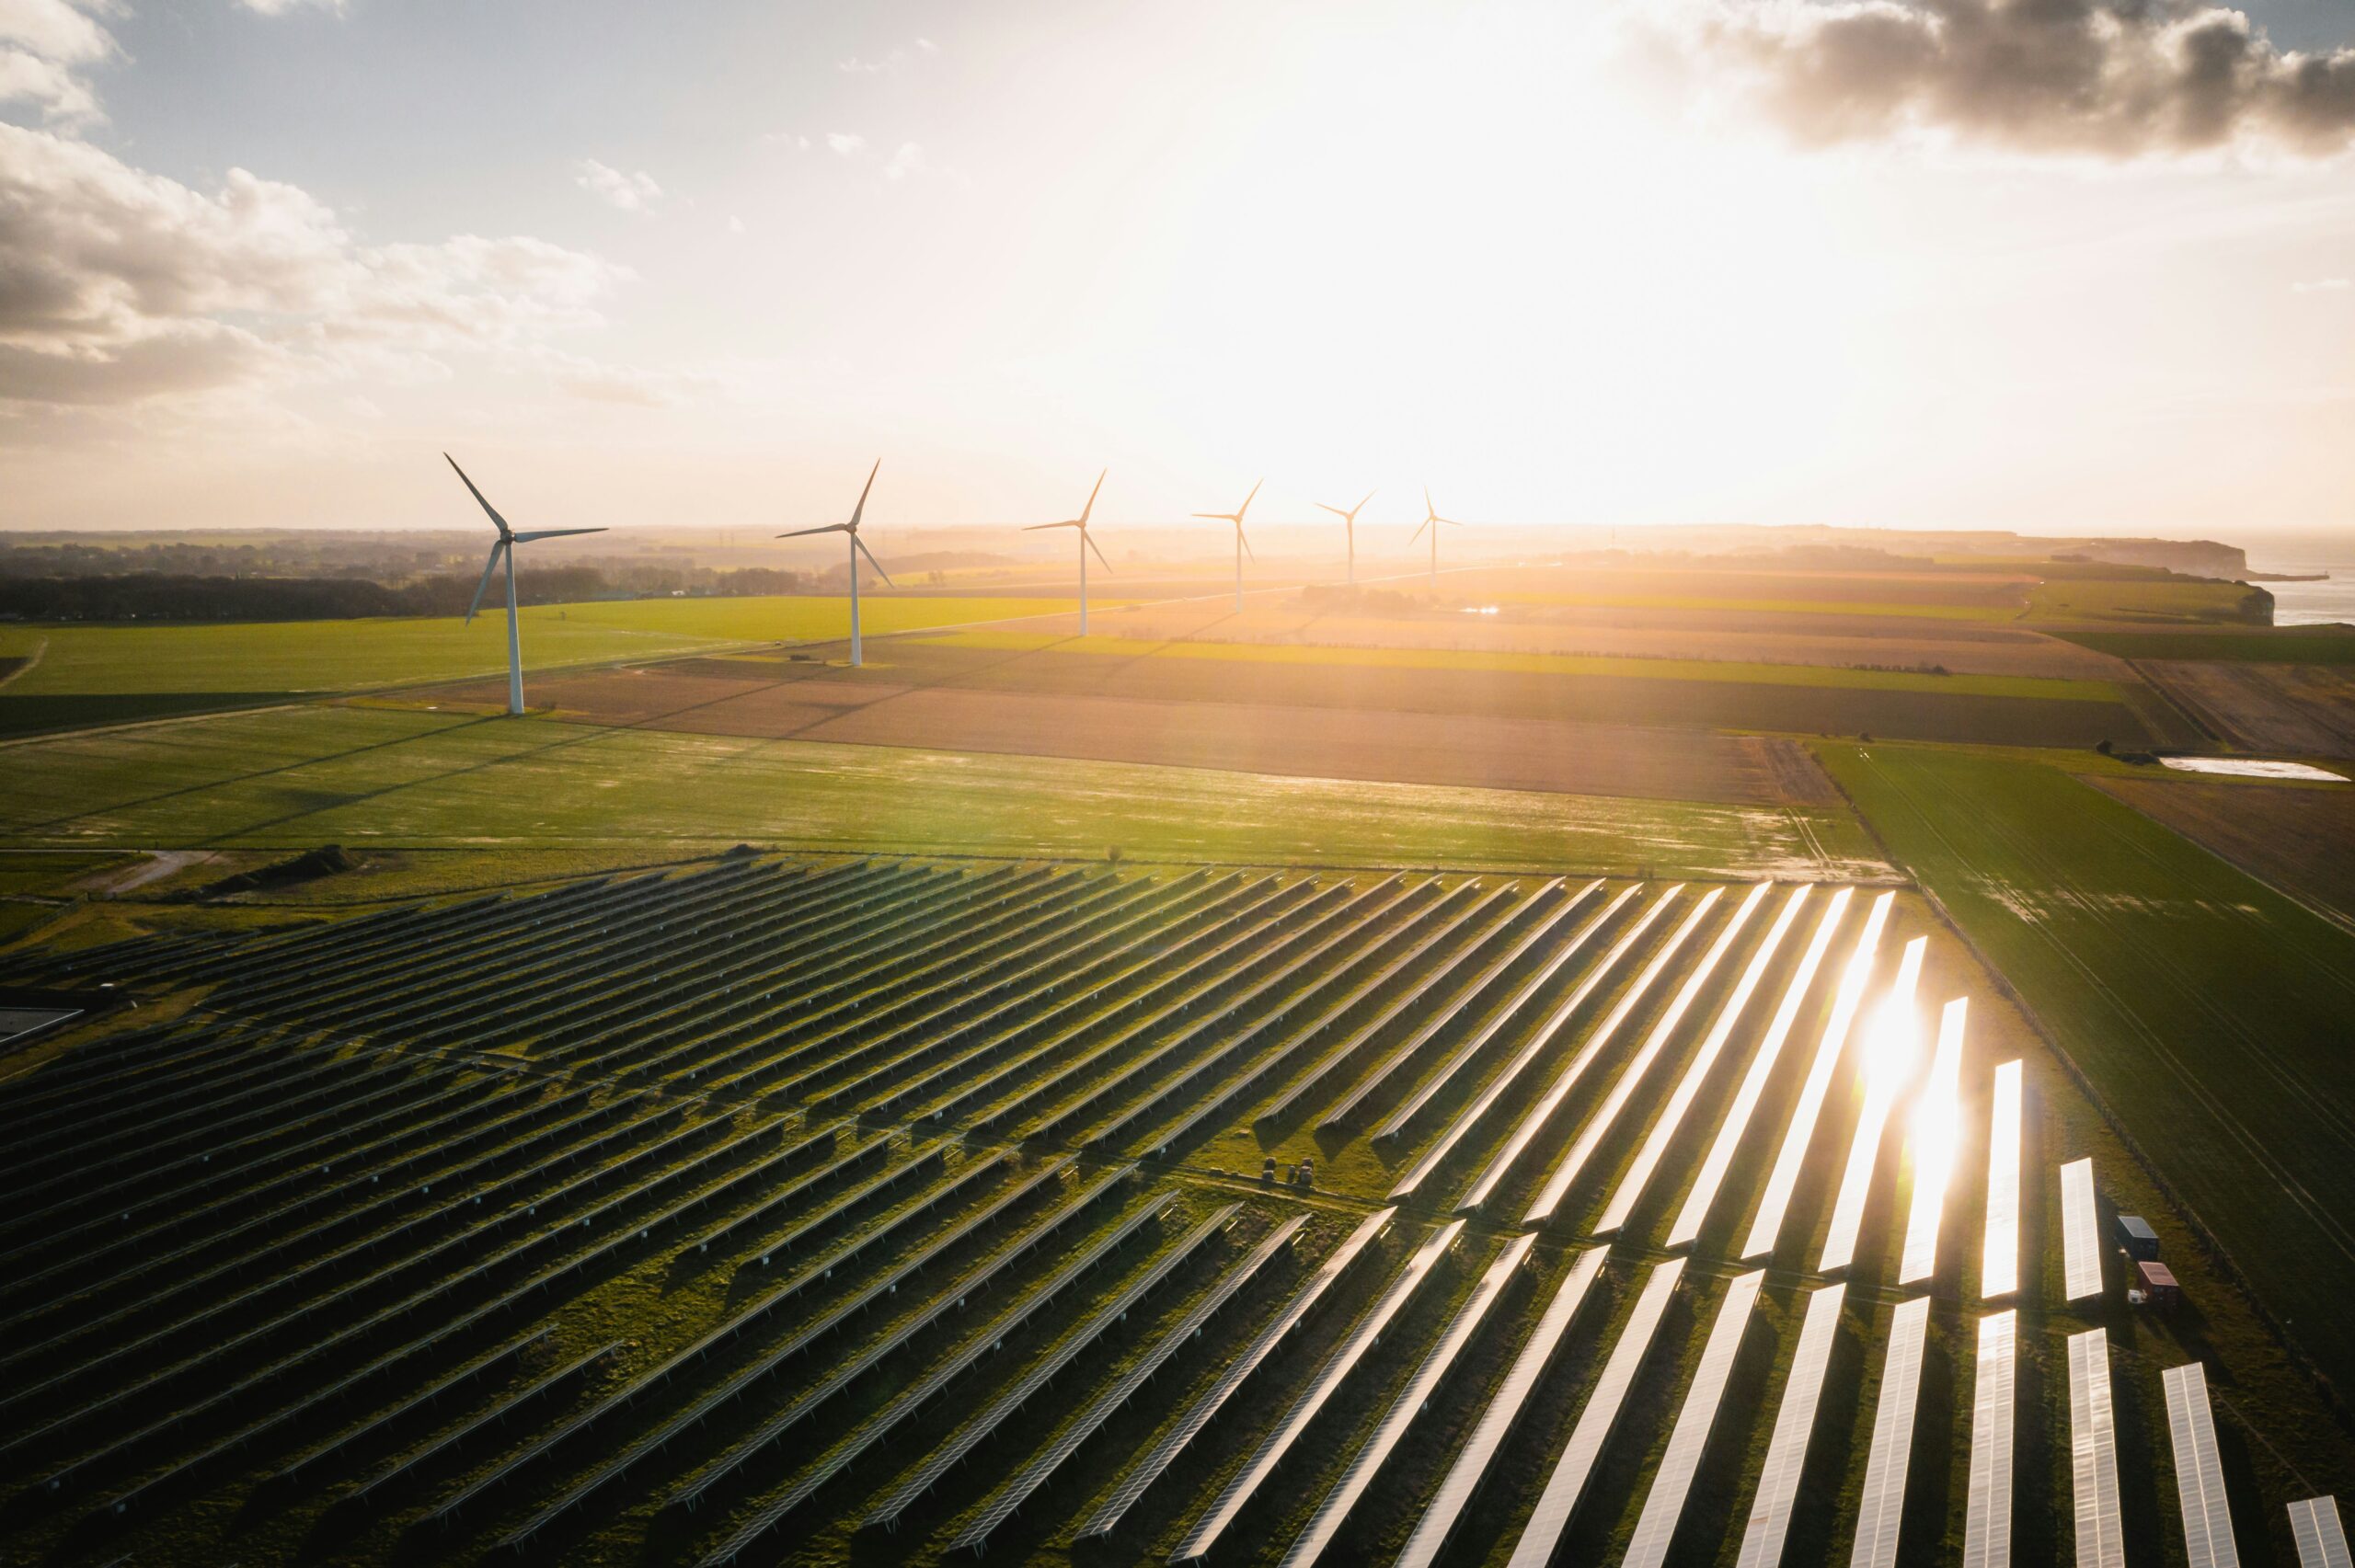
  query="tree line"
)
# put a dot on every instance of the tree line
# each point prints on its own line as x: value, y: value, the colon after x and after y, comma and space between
x: 160, y: 596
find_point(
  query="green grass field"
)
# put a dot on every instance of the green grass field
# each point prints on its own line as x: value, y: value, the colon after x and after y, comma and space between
x: 2206, y: 1011
x: 94, y: 674
x: 1739, y: 671
x: 2162, y: 599
x: 373, y: 777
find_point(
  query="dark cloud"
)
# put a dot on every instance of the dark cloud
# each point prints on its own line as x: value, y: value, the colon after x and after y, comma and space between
x: 2115, y: 79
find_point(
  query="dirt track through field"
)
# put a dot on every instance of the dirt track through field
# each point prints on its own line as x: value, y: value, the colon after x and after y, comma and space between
x: 1480, y: 751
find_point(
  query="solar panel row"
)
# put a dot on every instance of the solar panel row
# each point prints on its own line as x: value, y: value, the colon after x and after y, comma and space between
x: 1886, y: 1065
x: 2321, y: 1541
x: 1882, y: 1509
x: 1987, y: 1517
x: 2080, y: 1233
x: 2093, y: 1454
x: 1938, y: 1130
x: 1766, y: 1226
x: 1785, y: 1463
x: 2199, y: 1475
x: 1999, y: 1261
x: 1673, y: 1482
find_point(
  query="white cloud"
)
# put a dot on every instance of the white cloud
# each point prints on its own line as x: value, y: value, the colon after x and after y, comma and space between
x: 117, y: 285
x: 281, y: 7
x: 2323, y: 286
x: 47, y: 47
x: 908, y: 160
x: 845, y: 142
x: 735, y: 224
x: 928, y: 45
x: 629, y: 192
x: 2114, y: 78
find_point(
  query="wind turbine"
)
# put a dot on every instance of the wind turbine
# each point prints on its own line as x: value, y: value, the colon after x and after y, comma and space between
x: 856, y: 550
x: 1350, y: 521
x: 1241, y: 543
x: 1431, y: 519
x: 1085, y: 544
x: 508, y: 540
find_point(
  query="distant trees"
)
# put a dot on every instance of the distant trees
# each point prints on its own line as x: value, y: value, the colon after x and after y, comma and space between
x: 165, y: 596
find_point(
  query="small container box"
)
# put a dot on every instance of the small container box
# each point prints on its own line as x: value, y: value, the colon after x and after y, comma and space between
x: 2158, y: 1281
x: 2142, y: 1243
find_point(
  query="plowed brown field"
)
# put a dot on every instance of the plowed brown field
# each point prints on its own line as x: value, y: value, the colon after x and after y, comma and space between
x: 2298, y: 838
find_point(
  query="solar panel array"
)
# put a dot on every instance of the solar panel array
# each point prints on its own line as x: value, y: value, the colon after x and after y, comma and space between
x: 1882, y: 1509
x: 1987, y: 1517
x: 865, y: 1129
x: 2093, y: 1454
x: 2199, y: 1474
x: 2321, y: 1541
x: 2080, y: 1233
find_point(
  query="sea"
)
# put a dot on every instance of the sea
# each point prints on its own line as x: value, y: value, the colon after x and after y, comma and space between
x: 2306, y: 603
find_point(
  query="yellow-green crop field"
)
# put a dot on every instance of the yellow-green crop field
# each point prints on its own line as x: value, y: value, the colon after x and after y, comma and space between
x: 1747, y: 672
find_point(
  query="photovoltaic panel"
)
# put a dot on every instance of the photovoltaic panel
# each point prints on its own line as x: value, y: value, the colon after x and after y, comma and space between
x: 1768, y: 1223
x: 1999, y: 1264
x: 2322, y: 1544
x: 2080, y: 1231
x: 1598, y: 1126
x: 1672, y: 1117
x: 1533, y: 1124
x: 1336, y: 1371
x: 1883, y: 1509
x: 2199, y: 1478
x: 1712, y: 1175
x: 1665, y: 1504
x: 1145, y: 1472
x: 1503, y: 1414
x: 1778, y: 1480
x: 1937, y: 1127
x: 1987, y: 1520
x: 1330, y: 1514
x: 1543, y: 1534
x: 1505, y: 1084
x: 2093, y: 1453
x: 1887, y: 1068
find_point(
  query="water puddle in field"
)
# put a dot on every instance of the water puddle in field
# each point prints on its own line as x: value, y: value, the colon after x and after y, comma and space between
x: 2244, y: 768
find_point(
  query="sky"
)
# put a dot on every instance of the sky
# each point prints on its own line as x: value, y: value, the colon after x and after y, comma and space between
x: 2046, y: 265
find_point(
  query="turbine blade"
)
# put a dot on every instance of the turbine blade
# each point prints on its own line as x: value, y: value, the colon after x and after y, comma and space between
x: 1334, y: 511
x: 1217, y: 516
x: 1090, y: 507
x: 1089, y: 540
x: 1418, y: 531
x: 1245, y: 539
x: 1033, y: 528
x: 1249, y: 499
x: 860, y: 510
x: 830, y: 528
x: 1361, y: 506
x: 1428, y: 510
x: 860, y: 545
x: 486, y: 506
x: 484, y: 587
x: 554, y: 533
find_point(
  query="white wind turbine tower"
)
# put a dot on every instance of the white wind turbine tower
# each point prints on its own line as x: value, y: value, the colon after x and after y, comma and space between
x: 1350, y: 521
x: 856, y: 550
x: 1086, y: 542
x: 1241, y: 543
x: 1431, y: 519
x: 508, y: 540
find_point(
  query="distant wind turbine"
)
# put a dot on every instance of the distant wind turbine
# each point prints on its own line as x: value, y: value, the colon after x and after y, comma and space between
x: 1241, y: 543
x: 508, y: 540
x: 1085, y: 544
x: 856, y: 550
x: 1431, y: 519
x: 1350, y: 521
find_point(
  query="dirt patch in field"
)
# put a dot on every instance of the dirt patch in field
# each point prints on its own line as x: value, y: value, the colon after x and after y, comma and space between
x: 1389, y: 747
x: 2301, y: 840
x: 2298, y: 710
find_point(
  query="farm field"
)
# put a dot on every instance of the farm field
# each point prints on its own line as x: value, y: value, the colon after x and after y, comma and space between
x: 1691, y: 694
x: 2283, y: 645
x: 2300, y: 710
x: 1776, y: 638
x: 393, y: 777
x: 2299, y: 839
x: 2204, y: 1008
x: 744, y: 697
x: 867, y: 1210
x: 85, y: 674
